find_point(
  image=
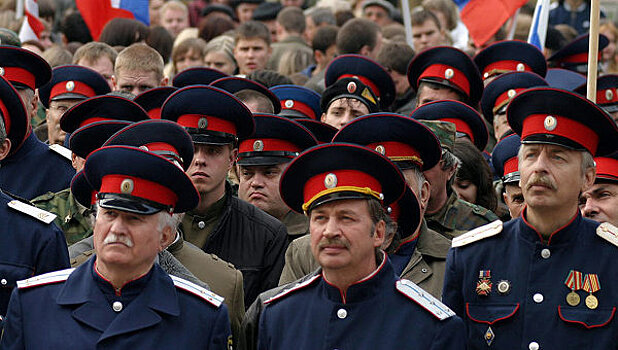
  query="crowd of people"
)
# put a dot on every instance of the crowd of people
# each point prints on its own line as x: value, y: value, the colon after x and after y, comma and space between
x: 297, y: 174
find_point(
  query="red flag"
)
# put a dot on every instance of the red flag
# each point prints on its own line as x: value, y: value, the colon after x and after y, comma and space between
x: 97, y: 13
x: 32, y: 27
x: 483, y: 18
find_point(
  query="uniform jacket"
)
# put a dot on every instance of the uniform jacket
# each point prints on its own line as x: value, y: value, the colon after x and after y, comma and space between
x: 29, y: 247
x: 533, y: 312
x: 74, y: 313
x: 252, y: 240
x: 373, y: 313
x: 458, y: 216
x: 35, y: 170
x: 73, y: 218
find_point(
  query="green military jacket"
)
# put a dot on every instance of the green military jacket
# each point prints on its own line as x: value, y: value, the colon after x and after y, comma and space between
x: 458, y: 216
x: 73, y: 218
x: 296, y: 224
x: 425, y: 268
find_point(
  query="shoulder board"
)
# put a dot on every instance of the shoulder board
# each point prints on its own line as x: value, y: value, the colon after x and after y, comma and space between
x: 297, y: 286
x: 196, y: 290
x: 44, y: 279
x: 424, y: 299
x: 608, y: 232
x: 481, y: 232
x: 33, y: 211
x: 63, y: 151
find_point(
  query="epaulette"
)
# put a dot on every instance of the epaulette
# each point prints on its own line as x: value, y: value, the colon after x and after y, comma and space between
x: 297, y: 286
x: 608, y: 232
x: 44, y: 279
x: 33, y: 211
x: 481, y: 232
x: 424, y: 299
x: 63, y: 151
x: 216, y: 258
x: 194, y: 289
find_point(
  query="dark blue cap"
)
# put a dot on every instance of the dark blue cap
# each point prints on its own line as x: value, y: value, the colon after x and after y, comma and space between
x: 82, y: 191
x: 405, y: 141
x: 564, y: 79
x: 197, y: 76
x: 220, y: 8
x: 99, y: 108
x: 72, y: 82
x: 406, y: 212
x: 152, y: 100
x: 510, y: 56
x: 88, y: 138
x: 163, y: 137
x: 323, y: 132
x: 338, y: 171
x: 364, y: 69
x: 501, y: 91
x: 234, y: 85
x: 23, y: 68
x: 137, y: 181
x: 607, y: 92
x: 266, y: 11
x: 504, y: 159
x: 14, y: 115
x: 560, y: 117
x: 574, y: 56
x: 298, y: 101
x: 468, y: 122
x: 210, y: 115
x: 450, y: 67
x: 350, y: 88
x: 276, y: 140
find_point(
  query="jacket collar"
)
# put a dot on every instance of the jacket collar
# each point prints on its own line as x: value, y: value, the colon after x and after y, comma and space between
x: 563, y: 235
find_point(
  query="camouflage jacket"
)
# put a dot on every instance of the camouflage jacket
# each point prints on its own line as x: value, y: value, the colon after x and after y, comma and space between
x: 73, y: 218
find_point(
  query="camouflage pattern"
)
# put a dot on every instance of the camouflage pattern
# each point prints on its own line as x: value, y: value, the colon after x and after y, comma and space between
x: 73, y: 218
x: 445, y: 131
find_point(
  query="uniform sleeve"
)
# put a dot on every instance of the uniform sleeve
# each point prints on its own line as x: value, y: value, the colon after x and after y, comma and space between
x: 263, y: 342
x: 452, y: 291
x: 237, y: 307
x: 250, y: 324
x: 221, y: 335
x: 294, y: 268
x: 452, y: 335
x: 13, y: 336
x: 275, y: 259
x: 53, y: 254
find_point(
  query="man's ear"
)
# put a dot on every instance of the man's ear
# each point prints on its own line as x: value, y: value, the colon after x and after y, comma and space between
x: 323, y: 117
x: 114, y: 82
x: 5, y: 147
x: 168, y: 235
x: 233, y: 156
x: 424, y: 197
x: 164, y: 81
x: 380, y: 233
x: 365, y: 51
x: 589, y: 176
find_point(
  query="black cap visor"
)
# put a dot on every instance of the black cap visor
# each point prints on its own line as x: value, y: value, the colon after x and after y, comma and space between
x: 129, y: 204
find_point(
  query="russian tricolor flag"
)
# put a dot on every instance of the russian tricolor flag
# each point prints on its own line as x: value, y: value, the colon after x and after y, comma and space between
x: 97, y: 13
x: 538, y: 30
x: 483, y: 18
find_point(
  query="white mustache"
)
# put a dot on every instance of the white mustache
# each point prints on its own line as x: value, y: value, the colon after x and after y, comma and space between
x: 114, y: 238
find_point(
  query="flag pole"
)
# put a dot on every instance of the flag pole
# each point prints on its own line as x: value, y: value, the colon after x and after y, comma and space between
x: 19, y: 9
x: 593, y: 51
x: 407, y: 21
x: 513, y: 25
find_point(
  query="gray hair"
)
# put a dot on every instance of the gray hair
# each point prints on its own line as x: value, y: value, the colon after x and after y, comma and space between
x: 3, y: 134
x: 321, y: 15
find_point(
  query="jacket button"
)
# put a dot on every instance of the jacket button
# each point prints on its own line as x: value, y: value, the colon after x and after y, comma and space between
x: 342, y: 313
x: 201, y: 225
x: 533, y: 346
x: 538, y: 298
x: 117, y: 306
x: 545, y: 253
x: 424, y: 270
x: 3, y: 281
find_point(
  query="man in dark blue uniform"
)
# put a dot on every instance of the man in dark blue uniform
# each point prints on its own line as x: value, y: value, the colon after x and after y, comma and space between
x: 30, y: 243
x: 355, y: 301
x: 547, y: 279
x: 32, y: 168
x: 121, y: 298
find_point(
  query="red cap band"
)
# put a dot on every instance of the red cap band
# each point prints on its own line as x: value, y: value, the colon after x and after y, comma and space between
x: 504, y: 67
x: 577, y: 58
x: 461, y: 126
x: 212, y: 123
x: 511, y: 166
x: 93, y: 120
x: 606, y: 96
x: 607, y: 168
x: 561, y: 126
x: 155, y: 113
x: 20, y: 75
x: 505, y: 98
x: 265, y: 145
x: 77, y: 87
x: 5, y: 117
x: 140, y: 188
x: 299, y: 106
x: 93, y: 197
x: 365, y: 81
x: 343, y: 180
x: 397, y: 151
x: 161, y: 147
x: 444, y: 72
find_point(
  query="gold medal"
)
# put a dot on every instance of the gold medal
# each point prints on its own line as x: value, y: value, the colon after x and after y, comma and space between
x: 573, y: 299
x: 592, y: 302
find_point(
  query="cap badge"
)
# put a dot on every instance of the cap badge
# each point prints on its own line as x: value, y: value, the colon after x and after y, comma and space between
x: 258, y: 145
x: 145, y: 148
x: 126, y: 186
x: 486, y: 75
x: 70, y: 85
x: 330, y: 181
x: 202, y: 123
x: 366, y: 94
x: 449, y: 73
x: 1, y: 70
x: 550, y: 123
x: 511, y: 93
x: 380, y: 149
x: 609, y: 94
x: 351, y: 87
x: 289, y: 103
x: 520, y: 67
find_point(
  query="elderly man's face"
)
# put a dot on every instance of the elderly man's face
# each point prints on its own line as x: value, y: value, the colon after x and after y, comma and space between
x: 513, y: 199
x: 343, y: 237
x: 53, y: 114
x: 600, y: 203
x: 342, y: 110
x: 127, y: 240
x: 501, y: 125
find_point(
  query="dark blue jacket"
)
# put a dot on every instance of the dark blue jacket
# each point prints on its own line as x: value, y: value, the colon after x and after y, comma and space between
x: 76, y: 313
x: 35, y: 170
x: 533, y: 311
x: 373, y: 314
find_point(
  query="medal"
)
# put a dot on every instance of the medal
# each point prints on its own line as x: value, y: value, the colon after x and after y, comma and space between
x: 574, y: 283
x: 591, y: 285
x: 483, y: 286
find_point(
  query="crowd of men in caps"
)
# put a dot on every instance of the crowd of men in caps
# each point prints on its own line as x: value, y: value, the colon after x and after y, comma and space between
x: 304, y: 179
